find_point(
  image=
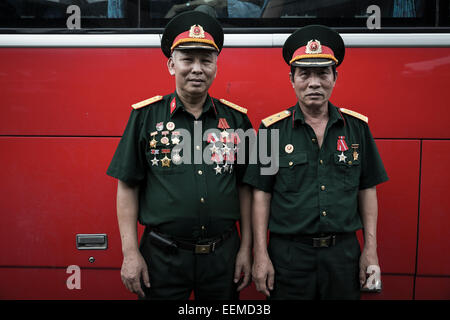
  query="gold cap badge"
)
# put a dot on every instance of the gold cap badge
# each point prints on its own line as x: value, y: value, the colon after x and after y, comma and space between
x: 196, y: 31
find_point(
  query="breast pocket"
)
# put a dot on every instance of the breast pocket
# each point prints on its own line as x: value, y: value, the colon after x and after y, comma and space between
x: 292, y: 172
x: 347, y: 170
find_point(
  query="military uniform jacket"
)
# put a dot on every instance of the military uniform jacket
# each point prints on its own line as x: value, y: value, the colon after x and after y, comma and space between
x: 187, y: 199
x: 316, y: 189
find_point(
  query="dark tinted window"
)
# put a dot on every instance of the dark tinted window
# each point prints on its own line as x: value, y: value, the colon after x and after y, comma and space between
x: 237, y: 15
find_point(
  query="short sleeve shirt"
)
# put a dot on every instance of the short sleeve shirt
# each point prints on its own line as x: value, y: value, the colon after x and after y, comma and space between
x: 315, y: 190
x: 191, y: 192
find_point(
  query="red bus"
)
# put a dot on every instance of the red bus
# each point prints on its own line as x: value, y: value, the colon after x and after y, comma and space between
x: 68, y: 79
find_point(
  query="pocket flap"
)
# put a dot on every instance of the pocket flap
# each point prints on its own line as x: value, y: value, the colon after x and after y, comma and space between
x: 291, y: 160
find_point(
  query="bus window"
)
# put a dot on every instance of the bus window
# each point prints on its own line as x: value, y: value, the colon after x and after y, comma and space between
x: 237, y: 16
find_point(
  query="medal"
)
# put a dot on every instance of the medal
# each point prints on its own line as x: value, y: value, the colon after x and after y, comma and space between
x: 165, y: 161
x: 218, y: 169
x: 170, y: 126
x: 176, y: 158
x: 341, y: 144
x: 154, y: 160
x: 223, y: 124
x: 355, y: 146
x: 212, y: 138
x: 160, y: 126
x: 153, y: 142
x: 165, y: 140
x: 289, y: 148
x: 342, y: 157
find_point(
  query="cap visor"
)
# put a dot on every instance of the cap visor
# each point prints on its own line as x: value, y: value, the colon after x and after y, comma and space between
x: 313, y: 62
x: 192, y: 46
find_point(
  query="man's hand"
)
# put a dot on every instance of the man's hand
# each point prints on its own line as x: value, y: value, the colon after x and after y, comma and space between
x: 133, y: 270
x: 263, y: 274
x: 243, y: 266
x: 368, y: 257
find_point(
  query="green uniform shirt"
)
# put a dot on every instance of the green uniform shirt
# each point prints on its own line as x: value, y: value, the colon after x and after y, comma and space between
x: 185, y: 200
x: 316, y: 189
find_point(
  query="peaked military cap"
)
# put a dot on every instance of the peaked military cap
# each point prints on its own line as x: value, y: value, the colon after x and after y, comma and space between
x: 192, y: 30
x: 314, y: 46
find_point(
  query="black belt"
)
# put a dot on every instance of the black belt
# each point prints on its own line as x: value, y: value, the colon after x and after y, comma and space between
x: 317, y: 241
x: 203, y: 246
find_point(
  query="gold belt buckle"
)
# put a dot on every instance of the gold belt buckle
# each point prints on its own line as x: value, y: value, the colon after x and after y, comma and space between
x: 202, y: 248
x: 322, y: 242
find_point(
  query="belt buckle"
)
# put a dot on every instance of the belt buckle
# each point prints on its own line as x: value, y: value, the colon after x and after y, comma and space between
x: 202, y: 248
x: 323, y: 242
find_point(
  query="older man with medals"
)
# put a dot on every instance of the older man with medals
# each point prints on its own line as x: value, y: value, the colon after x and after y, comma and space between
x: 324, y: 190
x: 189, y: 206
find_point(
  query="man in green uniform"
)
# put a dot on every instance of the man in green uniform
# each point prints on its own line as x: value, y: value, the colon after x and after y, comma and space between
x: 178, y: 175
x: 325, y: 188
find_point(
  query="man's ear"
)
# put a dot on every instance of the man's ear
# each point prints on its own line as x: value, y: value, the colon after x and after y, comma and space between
x: 171, y: 66
x: 291, y: 79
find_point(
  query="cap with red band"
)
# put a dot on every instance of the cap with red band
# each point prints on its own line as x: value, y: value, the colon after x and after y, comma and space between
x: 192, y: 30
x: 314, y: 46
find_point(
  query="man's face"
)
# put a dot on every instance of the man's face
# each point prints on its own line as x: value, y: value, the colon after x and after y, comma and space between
x: 314, y: 85
x: 194, y: 70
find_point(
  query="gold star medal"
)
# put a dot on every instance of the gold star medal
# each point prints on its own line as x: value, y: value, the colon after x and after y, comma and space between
x: 165, y: 162
x: 153, y: 142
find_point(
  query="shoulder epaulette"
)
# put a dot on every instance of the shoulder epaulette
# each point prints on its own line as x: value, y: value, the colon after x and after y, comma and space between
x: 355, y: 114
x: 234, y: 106
x: 276, y: 117
x: 147, y: 102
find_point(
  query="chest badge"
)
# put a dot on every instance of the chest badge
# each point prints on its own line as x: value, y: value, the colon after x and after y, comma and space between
x: 355, y: 147
x: 289, y: 148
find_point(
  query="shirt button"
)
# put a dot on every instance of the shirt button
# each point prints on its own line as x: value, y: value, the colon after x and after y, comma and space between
x: 203, y: 227
x: 200, y: 172
x: 322, y: 188
x: 350, y: 162
x: 321, y: 161
x: 202, y: 200
x: 197, y: 147
x: 291, y: 163
x: 314, y: 140
x: 324, y: 213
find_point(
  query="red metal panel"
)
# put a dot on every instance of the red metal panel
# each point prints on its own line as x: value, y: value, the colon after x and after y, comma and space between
x: 398, y: 206
x: 432, y: 288
x: 52, y: 189
x: 89, y: 91
x: 394, y: 288
x: 434, y: 246
x: 50, y: 283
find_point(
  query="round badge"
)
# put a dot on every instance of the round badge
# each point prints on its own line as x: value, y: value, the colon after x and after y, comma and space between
x: 165, y: 140
x: 289, y: 148
x: 170, y: 126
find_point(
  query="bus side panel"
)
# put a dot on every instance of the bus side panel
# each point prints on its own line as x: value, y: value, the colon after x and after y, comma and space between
x: 432, y: 288
x: 60, y: 284
x: 434, y: 245
x: 398, y: 206
x: 86, y: 91
x: 52, y: 189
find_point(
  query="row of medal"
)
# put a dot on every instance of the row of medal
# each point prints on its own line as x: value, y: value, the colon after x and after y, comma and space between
x: 341, y: 146
x: 223, y: 149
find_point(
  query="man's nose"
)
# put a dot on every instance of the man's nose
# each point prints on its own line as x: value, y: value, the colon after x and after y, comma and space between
x: 314, y: 81
x: 197, y: 67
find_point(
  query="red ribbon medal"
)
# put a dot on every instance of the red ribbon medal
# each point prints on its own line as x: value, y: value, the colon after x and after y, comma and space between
x: 223, y: 124
x: 341, y: 144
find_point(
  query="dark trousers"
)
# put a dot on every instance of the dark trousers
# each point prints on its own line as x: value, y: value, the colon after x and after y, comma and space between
x: 175, y: 274
x: 303, y: 272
